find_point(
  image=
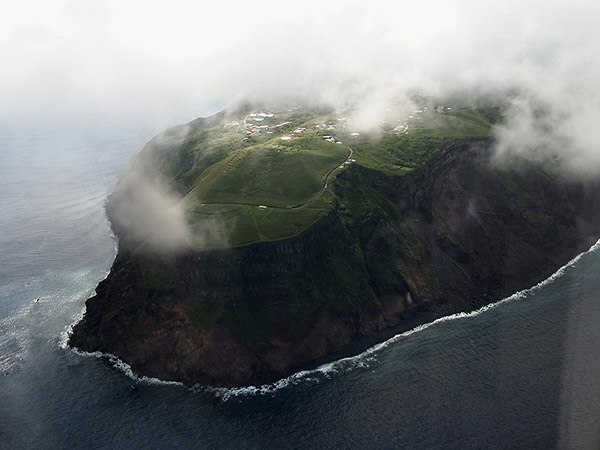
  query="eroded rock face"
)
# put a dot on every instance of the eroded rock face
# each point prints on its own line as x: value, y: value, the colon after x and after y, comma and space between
x: 395, y: 252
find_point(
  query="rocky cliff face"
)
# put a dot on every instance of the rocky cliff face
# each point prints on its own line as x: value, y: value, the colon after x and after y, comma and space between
x: 393, y: 253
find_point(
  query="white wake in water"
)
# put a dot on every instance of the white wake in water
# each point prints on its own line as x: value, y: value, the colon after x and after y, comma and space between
x: 360, y: 361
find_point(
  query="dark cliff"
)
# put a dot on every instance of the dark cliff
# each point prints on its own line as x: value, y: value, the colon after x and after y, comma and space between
x: 393, y: 253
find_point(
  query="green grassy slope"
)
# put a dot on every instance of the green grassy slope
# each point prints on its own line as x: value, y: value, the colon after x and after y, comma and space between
x: 281, y: 175
x: 230, y: 164
x: 398, y: 154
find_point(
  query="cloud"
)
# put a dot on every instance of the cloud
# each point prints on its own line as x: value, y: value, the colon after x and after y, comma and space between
x: 150, y: 65
x: 153, y: 64
x: 143, y: 207
x: 556, y: 119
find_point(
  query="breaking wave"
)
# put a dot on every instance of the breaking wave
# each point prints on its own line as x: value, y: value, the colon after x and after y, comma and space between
x: 364, y: 359
x: 361, y: 361
x: 114, y: 360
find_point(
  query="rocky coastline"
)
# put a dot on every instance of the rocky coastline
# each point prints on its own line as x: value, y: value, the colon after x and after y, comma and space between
x: 394, y: 252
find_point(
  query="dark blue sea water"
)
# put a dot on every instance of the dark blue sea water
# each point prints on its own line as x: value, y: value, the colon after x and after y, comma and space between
x: 523, y: 374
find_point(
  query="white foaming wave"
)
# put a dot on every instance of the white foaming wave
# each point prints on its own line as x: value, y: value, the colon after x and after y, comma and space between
x: 363, y: 359
x: 63, y: 340
x: 113, y: 359
x: 324, y: 371
x: 122, y: 366
x: 126, y: 369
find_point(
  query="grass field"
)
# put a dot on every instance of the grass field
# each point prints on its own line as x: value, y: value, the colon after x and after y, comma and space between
x: 283, y: 174
x: 399, y: 154
x: 235, y: 225
x: 232, y: 165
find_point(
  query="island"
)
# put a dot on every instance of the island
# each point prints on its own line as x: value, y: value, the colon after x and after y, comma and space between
x: 300, y: 238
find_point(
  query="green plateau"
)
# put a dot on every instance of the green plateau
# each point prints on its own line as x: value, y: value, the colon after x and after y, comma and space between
x: 259, y: 174
x: 312, y: 238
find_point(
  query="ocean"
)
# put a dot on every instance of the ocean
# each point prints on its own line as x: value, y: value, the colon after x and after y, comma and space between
x: 524, y: 373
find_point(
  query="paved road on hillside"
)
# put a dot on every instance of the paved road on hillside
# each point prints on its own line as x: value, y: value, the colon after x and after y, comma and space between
x: 326, y: 182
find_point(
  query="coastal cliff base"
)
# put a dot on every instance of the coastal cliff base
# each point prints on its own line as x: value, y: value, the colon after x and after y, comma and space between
x: 394, y: 252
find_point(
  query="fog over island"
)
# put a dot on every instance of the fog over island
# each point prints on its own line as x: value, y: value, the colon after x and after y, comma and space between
x: 152, y: 65
x: 85, y: 83
x: 147, y: 66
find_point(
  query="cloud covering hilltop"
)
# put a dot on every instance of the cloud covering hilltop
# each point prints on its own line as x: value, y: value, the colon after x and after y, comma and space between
x: 153, y: 64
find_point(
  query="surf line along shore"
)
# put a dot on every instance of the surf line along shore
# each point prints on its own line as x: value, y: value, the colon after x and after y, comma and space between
x: 254, y: 314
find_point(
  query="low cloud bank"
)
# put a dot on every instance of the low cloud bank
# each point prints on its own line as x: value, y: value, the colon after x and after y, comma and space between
x: 144, y: 208
x: 154, y: 65
x: 151, y: 65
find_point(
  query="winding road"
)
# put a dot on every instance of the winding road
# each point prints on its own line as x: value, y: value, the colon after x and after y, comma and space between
x: 326, y: 182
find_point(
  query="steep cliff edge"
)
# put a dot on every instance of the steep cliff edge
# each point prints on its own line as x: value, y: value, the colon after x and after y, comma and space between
x: 394, y: 251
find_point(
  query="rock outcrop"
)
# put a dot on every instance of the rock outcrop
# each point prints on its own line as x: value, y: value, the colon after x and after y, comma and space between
x: 394, y: 252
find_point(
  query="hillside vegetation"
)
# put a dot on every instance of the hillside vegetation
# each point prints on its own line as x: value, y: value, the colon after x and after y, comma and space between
x: 259, y: 174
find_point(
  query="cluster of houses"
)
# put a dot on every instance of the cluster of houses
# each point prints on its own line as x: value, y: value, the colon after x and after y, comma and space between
x: 254, y: 124
x: 260, y: 122
x: 402, y: 127
x: 330, y: 127
x: 331, y: 139
x: 260, y: 116
x: 296, y: 132
x: 324, y: 126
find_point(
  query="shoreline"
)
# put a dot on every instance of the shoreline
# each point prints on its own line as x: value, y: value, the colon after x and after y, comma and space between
x: 333, y: 362
x: 225, y: 318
